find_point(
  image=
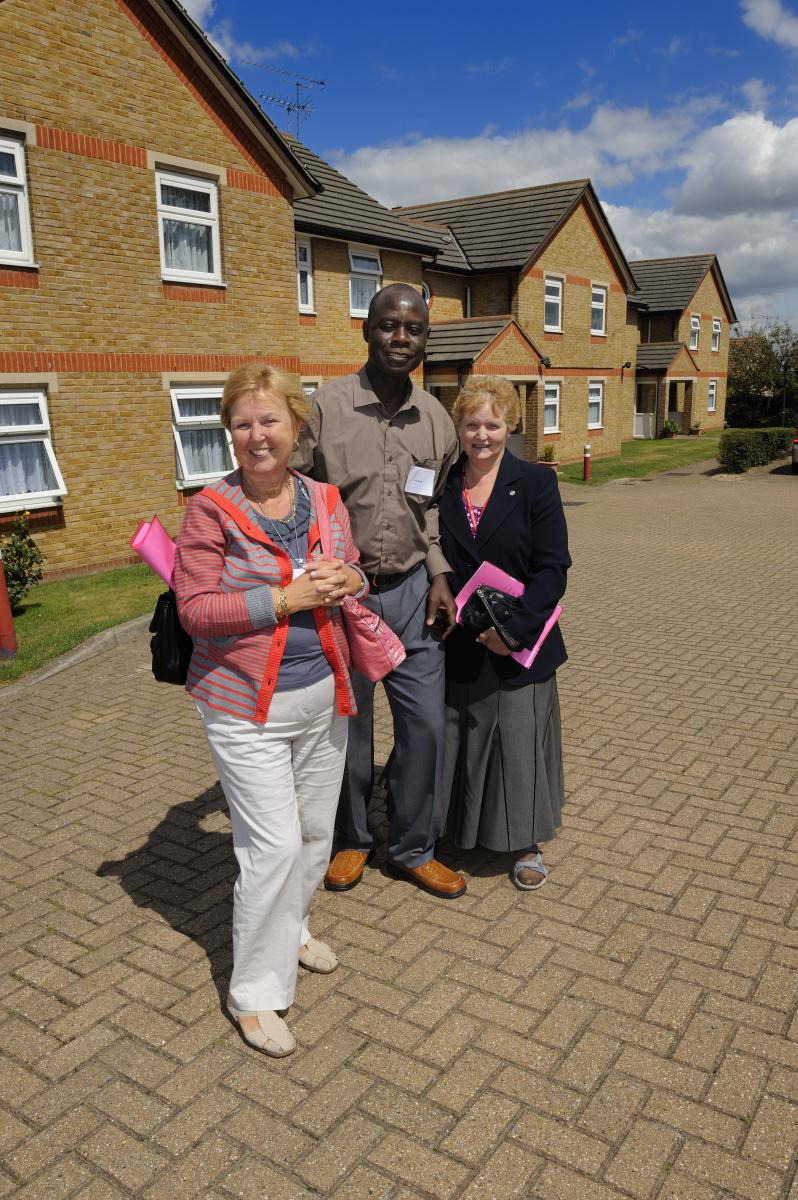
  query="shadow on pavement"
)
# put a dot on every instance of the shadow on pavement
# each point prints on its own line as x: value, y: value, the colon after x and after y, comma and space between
x: 185, y: 872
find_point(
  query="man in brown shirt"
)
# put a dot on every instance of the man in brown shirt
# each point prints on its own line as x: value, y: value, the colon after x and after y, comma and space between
x: 388, y: 445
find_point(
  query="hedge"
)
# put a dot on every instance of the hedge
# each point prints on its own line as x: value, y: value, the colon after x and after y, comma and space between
x: 741, y: 449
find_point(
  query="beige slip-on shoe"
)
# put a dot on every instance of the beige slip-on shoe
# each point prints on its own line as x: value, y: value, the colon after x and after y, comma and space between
x: 272, y: 1036
x: 317, y: 956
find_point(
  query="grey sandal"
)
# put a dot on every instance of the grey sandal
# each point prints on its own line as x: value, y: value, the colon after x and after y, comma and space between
x: 530, y: 864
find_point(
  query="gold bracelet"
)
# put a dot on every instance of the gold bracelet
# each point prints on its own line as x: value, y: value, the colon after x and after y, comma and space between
x: 281, y: 604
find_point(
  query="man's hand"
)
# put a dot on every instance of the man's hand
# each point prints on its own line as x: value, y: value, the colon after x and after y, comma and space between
x: 441, y: 600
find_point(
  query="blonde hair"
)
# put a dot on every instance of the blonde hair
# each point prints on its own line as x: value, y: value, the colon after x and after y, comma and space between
x: 259, y: 377
x: 494, y: 390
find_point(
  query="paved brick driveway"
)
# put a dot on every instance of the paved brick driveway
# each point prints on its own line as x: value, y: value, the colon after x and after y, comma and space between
x: 630, y: 1030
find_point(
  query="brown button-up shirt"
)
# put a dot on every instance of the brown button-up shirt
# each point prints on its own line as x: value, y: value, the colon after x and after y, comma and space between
x: 350, y: 441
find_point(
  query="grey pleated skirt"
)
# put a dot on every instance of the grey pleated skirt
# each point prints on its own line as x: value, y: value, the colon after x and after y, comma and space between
x: 503, y: 774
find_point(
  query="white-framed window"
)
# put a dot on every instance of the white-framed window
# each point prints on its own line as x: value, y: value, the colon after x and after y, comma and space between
x: 551, y: 408
x: 552, y: 304
x: 695, y: 330
x: 598, y: 310
x: 29, y: 472
x: 595, y: 404
x: 309, y: 386
x: 203, y: 448
x: 715, y: 334
x: 188, y: 227
x: 304, y: 275
x: 16, y: 244
x: 365, y: 278
x: 712, y: 395
x: 425, y: 292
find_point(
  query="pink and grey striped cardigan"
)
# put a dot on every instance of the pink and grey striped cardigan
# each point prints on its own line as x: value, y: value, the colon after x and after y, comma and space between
x: 219, y: 558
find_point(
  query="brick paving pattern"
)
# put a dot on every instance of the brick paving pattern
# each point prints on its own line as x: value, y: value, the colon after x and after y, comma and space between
x: 630, y: 1030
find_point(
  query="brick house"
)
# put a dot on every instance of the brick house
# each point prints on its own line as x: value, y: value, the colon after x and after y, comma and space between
x: 156, y: 231
x: 546, y: 259
x: 683, y: 356
x: 146, y: 249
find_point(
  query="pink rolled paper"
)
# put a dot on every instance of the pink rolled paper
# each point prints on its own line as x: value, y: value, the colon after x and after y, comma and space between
x: 154, y: 545
x: 494, y: 577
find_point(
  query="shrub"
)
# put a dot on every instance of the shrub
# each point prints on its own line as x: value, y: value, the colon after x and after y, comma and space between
x: 741, y: 449
x: 669, y: 428
x: 548, y: 453
x: 22, y: 561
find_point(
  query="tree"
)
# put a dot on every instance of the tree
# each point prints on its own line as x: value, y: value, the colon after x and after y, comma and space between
x: 763, y: 376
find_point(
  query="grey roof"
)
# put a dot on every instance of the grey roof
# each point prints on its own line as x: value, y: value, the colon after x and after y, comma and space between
x: 504, y: 230
x: 669, y: 284
x: 343, y: 210
x: 465, y: 340
x: 657, y: 356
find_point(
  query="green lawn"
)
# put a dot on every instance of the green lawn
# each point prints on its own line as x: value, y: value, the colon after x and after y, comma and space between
x: 57, y: 616
x: 646, y: 457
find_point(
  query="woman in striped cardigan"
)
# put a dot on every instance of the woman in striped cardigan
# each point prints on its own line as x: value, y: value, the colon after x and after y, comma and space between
x: 270, y: 678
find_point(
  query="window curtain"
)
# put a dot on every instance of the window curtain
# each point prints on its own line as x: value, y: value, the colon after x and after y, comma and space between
x: 362, y: 292
x: 194, y: 407
x: 26, y: 413
x: 205, y: 451
x: 187, y: 246
x: 25, y: 468
x: 10, y: 227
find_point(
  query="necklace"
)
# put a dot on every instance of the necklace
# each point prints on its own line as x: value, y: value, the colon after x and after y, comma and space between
x: 289, y: 483
x: 297, y: 559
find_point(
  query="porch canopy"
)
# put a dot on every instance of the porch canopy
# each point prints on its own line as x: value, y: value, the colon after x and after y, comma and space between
x: 664, y: 376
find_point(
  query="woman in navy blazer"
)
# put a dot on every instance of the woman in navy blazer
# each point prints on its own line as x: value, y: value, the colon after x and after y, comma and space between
x: 503, y: 765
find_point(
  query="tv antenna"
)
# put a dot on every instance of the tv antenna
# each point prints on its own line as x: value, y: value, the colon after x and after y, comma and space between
x: 300, y: 105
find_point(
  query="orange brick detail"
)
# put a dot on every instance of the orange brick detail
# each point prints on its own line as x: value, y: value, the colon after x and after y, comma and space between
x: 530, y: 367
x: 176, y: 58
x: 18, y: 278
x: 111, y: 363
x: 552, y: 337
x: 577, y: 279
x: 307, y: 319
x: 252, y: 183
x: 90, y: 147
x: 327, y: 370
x: 191, y: 291
x: 356, y: 322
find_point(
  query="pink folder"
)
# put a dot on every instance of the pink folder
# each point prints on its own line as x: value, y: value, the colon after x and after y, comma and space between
x: 154, y: 545
x: 494, y: 577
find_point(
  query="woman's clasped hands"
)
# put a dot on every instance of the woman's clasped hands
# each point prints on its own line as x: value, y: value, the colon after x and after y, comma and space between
x: 324, y: 583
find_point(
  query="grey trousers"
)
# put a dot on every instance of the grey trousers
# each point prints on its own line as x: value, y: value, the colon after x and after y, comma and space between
x: 415, y: 692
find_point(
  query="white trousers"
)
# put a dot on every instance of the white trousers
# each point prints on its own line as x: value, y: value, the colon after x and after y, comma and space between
x: 281, y: 781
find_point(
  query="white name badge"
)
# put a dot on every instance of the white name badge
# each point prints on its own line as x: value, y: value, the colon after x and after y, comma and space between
x: 297, y: 571
x: 420, y: 481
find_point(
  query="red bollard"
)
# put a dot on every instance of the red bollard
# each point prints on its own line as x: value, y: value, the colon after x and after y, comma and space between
x: 8, y: 637
x: 586, y: 463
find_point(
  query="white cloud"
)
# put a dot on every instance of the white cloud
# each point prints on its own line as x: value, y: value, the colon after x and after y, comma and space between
x: 745, y: 164
x: 772, y: 20
x: 613, y: 148
x: 233, y: 50
x: 758, y: 255
x: 200, y: 10
x: 756, y: 92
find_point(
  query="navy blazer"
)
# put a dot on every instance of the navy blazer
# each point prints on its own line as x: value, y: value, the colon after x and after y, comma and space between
x: 523, y: 532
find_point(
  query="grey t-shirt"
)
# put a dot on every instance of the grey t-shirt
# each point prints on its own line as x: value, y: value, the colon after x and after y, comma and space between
x: 303, y: 661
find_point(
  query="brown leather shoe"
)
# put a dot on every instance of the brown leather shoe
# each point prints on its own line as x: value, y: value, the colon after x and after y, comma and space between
x: 432, y: 876
x: 346, y: 870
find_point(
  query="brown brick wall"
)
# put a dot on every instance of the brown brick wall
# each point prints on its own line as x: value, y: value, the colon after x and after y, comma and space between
x: 577, y: 254
x: 490, y: 295
x: 707, y: 304
x: 100, y: 297
x: 447, y: 302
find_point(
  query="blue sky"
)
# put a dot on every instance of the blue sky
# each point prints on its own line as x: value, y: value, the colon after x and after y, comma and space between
x: 685, y: 117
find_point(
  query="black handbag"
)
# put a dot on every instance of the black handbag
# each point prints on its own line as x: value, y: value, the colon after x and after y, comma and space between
x: 170, y: 645
x: 488, y: 608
